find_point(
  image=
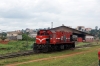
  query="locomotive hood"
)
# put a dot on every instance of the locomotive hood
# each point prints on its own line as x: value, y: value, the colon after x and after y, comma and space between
x: 41, y: 39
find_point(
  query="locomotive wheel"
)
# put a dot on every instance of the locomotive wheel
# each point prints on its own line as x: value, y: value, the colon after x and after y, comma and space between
x: 62, y: 47
x: 68, y: 46
x: 45, y: 48
x: 73, y: 46
x: 57, y: 48
x: 54, y: 48
x: 51, y: 47
x: 35, y: 48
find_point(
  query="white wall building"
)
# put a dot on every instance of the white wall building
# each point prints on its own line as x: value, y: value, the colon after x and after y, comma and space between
x: 89, y: 38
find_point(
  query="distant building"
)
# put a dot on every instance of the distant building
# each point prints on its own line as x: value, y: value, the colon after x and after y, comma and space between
x: 89, y: 38
x: 13, y: 35
x: 33, y: 34
x: 88, y: 29
x: 80, y: 28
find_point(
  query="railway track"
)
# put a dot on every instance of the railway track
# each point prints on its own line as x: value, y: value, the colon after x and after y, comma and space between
x: 16, y: 54
x: 30, y: 52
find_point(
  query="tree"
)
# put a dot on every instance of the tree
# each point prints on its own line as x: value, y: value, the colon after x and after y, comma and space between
x: 25, y: 37
x: 95, y: 32
x: 96, y: 27
x: 3, y: 36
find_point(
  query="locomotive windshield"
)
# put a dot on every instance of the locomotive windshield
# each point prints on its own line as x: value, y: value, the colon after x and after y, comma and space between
x: 42, y: 33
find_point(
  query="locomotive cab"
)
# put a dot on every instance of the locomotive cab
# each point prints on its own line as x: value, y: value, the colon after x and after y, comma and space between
x: 42, y: 41
x: 43, y: 37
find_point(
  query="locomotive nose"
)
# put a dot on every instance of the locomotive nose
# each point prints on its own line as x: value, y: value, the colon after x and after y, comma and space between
x: 41, y: 39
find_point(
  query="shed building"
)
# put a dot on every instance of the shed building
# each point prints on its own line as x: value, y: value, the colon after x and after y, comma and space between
x: 81, y: 36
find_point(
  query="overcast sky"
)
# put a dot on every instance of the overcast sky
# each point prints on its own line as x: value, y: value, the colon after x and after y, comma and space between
x: 21, y: 14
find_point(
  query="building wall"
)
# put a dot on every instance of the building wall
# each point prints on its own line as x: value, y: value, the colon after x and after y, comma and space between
x: 81, y: 28
x: 79, y: 39
x: 12, y: 34
x: 82, y: 36
x: 89, y: 38
x: 33, y: 35
x: 88, y: 29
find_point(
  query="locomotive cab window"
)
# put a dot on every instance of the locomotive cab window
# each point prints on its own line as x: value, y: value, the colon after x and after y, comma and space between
x: 45, y: 33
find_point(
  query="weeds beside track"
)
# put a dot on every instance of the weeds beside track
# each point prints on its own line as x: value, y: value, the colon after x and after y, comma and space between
x: 30, y: 52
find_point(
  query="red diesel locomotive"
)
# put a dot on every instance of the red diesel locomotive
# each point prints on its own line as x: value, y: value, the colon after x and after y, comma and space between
x: 48, y: 40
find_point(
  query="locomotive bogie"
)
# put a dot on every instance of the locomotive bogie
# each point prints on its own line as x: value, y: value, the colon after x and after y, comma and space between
x: 52, y: 47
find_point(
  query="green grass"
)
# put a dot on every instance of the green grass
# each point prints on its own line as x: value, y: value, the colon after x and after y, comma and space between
x: 36, y: 56
x: 46, y: 55
x: 81, y: 44
x: 15, y: 46
x: 18, y: 46
x: 86, y: 59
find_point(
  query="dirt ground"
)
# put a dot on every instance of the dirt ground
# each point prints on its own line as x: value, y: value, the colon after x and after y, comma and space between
x: 4, y: 42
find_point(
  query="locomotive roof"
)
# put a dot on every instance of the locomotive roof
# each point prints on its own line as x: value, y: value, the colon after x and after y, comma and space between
x: 47, y: 30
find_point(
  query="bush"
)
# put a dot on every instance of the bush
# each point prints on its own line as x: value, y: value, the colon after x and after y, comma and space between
x: 25, y: 37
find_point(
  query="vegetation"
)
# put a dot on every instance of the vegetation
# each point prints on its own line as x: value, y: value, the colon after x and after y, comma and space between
x: 36, y: 56
x: 15, y: 46
x: 86, y: 59
x: 3, y: 35
x: 95, y: 32
x: 26, y: 37
x: 82, y: 44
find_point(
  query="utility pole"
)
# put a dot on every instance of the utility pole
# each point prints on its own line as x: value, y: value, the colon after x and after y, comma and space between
x: 51, y: 24
x: 27, y: 31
